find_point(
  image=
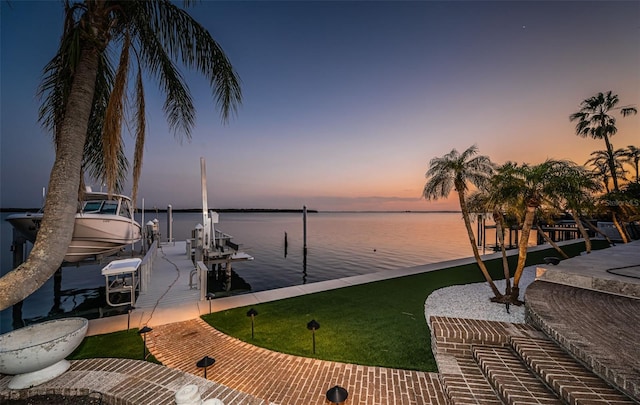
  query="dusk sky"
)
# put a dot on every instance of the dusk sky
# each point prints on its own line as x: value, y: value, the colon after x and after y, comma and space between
x: 346, y: 102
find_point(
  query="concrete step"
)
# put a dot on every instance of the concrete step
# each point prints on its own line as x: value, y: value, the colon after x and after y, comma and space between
x: 569, y: 379
x: 514, y: 383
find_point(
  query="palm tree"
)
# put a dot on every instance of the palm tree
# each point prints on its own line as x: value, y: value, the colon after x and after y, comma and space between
x: 527, y: 187
x: 595, y: 121
x: 600, y: 161
x: 632, y: 156
x: 80, y: 86
x: 456, y: 171
x: 576, y: 193
x: 482, y: 201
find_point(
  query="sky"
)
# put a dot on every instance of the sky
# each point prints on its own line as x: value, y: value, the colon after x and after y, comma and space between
x: 346, y: 102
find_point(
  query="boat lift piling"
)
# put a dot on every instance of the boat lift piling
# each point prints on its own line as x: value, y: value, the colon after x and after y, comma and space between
x: 18, y: 248
x: 170, y: 225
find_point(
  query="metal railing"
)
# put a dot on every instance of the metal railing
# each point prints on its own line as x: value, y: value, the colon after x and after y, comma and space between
x: 146, y: 267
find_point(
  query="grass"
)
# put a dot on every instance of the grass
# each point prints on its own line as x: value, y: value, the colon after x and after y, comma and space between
x: 374, y: 324
x: 123, y: 345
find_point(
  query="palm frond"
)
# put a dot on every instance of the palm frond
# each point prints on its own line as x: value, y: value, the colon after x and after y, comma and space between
x: 113, y: 118
x: 140, y: 135
x: 186, y: 39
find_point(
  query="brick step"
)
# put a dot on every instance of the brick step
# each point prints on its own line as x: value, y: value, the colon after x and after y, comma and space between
x: 514, y: 383
x: 464, y: 383
x: 570, y: 380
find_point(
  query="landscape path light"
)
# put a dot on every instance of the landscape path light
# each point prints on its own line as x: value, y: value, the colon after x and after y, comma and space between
x: 313, y: 326
x: 204, y: 363
x: 252, y: 313
x: 337, y: 395
x: 129, y: 309
x: 210, y: 296
x: 144, y: 332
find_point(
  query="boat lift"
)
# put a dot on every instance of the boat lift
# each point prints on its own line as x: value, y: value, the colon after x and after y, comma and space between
x: 122, y: 277
x: 208, y: 245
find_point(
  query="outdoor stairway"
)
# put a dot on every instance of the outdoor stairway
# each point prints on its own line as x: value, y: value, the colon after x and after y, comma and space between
x: 573, y: 382
x: 511, y: 379
x: 485, y: 362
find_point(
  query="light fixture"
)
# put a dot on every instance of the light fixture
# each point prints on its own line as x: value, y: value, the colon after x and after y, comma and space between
x: 337, y: 395
x: 252, y: 313
x: 313, y: 326
x: 144, y: 332
x: 210, y: 296
x: 129, y: 309
x: 204, y: 363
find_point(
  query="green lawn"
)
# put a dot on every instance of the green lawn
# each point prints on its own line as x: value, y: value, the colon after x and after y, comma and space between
x: 123, y: 345
x: 375, y: 324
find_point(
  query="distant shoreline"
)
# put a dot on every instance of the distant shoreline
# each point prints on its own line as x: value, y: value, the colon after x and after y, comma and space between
x: 254, y: 210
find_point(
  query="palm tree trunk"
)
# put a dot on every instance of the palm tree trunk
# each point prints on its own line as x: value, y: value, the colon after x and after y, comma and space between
x: 597, y: 230
x: 522, y: 253
x: 583, y: 231
x: 472, y: 240
x: 497, y: 218
x: 60, y: 206
x: 612, y: 163
x: 621, y: 231
x: 551, y: 242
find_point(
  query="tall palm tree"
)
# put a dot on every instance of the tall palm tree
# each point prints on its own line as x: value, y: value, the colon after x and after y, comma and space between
x: 632, y: 156
x: 594, y: 120
x: 455, y: 171
x: 80, y: 85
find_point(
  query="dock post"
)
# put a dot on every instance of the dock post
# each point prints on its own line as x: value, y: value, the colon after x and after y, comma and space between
x: 170, y: 224
x: 18, y: 248
x: 199, y: 243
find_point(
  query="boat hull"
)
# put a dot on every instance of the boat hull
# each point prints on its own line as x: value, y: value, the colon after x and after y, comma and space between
x: 94, y: 235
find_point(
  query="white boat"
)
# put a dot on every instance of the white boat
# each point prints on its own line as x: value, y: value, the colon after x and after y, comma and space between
x: 103, y: 225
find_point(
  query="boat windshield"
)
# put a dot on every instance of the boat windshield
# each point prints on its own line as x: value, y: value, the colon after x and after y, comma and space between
x: 109, y: 207
x: 125, y: 209
x: 92, y: 206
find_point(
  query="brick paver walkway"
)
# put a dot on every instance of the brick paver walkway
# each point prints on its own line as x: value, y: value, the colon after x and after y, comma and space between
x: 285, y: 379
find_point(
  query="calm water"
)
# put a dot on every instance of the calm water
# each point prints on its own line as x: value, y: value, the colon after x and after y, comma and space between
x: 338, y: 245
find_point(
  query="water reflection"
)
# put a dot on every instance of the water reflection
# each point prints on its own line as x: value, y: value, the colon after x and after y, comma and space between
x: 223, y: 282
x: 304, y: 266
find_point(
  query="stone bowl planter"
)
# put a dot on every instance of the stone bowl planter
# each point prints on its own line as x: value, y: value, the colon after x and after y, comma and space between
x: 36, y: 354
